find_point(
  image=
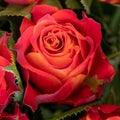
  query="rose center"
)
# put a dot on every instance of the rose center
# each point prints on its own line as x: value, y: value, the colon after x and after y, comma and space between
x: 54, y: 41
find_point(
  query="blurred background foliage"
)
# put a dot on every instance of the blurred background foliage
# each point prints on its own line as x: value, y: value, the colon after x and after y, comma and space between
x: 109, y: 17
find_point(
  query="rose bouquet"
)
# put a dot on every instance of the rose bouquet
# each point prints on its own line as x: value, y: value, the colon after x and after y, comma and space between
x: 59, y: 60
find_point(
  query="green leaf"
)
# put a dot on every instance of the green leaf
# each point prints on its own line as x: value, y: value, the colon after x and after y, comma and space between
x: 16, y: 10
x: 53, y: 3
x: 97, y: 13
x: 86, y: 4
x: 115, y: 21
x: 15, y: 22
x: 111, y: 56
x: 37, y: 115
x: 115, y: 89
x: 11, y: 24
x: 1, y: 33
x: 95, y: 8
x: 106, y: 94
x: 49, y: 110
x: 13, y: 69
x: 73, y: 5
x: 1, y: 8
x: 75, y: 112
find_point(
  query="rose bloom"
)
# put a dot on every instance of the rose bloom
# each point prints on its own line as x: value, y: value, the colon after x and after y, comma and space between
x: 17, y: 115
x: 111, y: 1
x: 102, y: 112
x: 61, y: 57
x: 7, y: 79
x: 22, y: 2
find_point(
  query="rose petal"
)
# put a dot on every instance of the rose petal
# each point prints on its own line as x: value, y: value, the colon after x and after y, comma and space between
x: 29, y: 96
x: 82, y: 96
x: 37, y: 30
x: 42, y: 64
x: 10, y: 89
x: 25, y: 24
x: 20, y: 47
x: 114, y: 118
x: 65, y: 91
x: 40, y: 10
x: 87, y: 46
x: 65, y: 16
x: 100, y: 66
x: 59, y: 63
x: 92, y: 29
x: 4, y: 62
x: 40, y: 81
x: 86, y: 26
x: 108, y: 108
x: 45, y: 84
x: 80, y: 69
x: 3, y: 84
x: 4, y: 51
x: 20, y: 2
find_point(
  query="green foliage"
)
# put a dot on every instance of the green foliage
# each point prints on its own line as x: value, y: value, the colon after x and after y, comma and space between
x: 1, y: 33
x: 13, y: 69
x: 73, y: 5
x: 87, y: 4
x: 16, y: 10
x: 71, y: 112
x: 116, y: 89
x: 14, y: 25
x: 37, y: 115
x: 55, y: 3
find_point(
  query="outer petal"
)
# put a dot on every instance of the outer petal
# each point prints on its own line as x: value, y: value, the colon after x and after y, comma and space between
x: 29, y: 96
x: 111, y: 1
x: 4, y: 62
x: 19, y: 2
x: 7, y: 80
x: 63, y: 93
x: 102, y: 112
x: 109, y: 108
x: 86, y: 26
x: 114, y: 118
x: 25, y: 24
x: 40, y: 10
x: 12, y: 88
x: 19, y: 46
x: 4, y: 51
x: 84, y: 94
x: 100, y: 66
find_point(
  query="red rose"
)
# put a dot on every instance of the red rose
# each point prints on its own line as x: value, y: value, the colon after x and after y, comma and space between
x: 102, y: 112
x: 111, y: 1
x: 22, y: 2
x: 7, y: 80
x: 16, y: 116
x: 61, y: 57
